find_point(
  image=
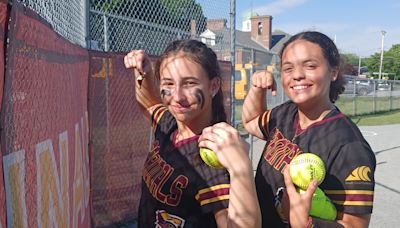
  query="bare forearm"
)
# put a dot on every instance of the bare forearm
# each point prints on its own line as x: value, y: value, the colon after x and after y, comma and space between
x: 254, y: 104
x: 146, y: 92
x: 244, y: 210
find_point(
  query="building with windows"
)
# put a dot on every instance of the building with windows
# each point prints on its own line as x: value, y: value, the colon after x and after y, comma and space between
x: 256, y: 44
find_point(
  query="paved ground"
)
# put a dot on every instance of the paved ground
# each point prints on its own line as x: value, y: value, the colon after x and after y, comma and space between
x: 385, y: 142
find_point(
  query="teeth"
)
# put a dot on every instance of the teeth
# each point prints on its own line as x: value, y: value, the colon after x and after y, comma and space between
x: 300, y: 87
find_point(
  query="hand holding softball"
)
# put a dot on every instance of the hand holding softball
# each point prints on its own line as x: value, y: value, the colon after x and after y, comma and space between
x: 297, y: 206
x: 230, y: 149
x: 264, y: 80
x: 306, y: 167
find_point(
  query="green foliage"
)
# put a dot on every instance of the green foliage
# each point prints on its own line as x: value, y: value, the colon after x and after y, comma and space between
x: 391, y: 62
x: 349, y: 58
x: 174, y: 13
x: 186, y: 11
x: 105, y: 6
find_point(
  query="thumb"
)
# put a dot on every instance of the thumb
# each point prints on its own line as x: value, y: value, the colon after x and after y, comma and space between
x: 311, y: 189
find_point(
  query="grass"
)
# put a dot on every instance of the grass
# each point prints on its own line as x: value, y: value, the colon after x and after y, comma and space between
x: 382, y: 118
x: 378, y: 118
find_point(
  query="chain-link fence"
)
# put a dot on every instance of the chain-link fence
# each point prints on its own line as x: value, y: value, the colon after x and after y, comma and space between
x: 364, y: 96
x: 151, y: 24
x: 68, y: 18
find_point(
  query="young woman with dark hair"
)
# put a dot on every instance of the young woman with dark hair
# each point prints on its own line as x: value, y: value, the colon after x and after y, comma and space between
x: 182, y: 97
x: 309, y: 122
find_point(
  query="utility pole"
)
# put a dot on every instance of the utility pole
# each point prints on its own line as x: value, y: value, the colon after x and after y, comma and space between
x: 380, y: 66
x: 359, y: 65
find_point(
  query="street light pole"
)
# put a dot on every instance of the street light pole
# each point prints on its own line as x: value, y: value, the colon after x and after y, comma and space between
x: 380, y: 66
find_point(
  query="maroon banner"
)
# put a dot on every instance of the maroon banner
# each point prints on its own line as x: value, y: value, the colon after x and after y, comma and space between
x: 3, y: 27
x: 120, y: 140
x: 45, y: 126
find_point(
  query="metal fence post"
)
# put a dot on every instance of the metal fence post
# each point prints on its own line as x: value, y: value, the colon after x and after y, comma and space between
x: 105, y: 28
x: 233, y: 58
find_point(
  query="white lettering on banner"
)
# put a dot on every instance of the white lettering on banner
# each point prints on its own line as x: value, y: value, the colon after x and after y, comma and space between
x: 14, y: 180
x: 53, y: 182
x: 85, y: 154
x: 78, y: 188
x: 52, y: 189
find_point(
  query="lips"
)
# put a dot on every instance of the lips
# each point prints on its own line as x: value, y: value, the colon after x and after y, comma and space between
x: 180, y: 109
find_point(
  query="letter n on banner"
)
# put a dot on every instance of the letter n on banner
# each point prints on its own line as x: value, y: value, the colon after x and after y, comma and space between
x: 52, y: 189
x: 14, y: 178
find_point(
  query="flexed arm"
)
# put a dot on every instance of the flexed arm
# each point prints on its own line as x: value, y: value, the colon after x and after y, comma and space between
x: 255, y: 101
x: 147, y: 92
x: 232, y: 152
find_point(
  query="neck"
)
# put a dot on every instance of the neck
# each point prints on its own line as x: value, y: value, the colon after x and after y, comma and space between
x: 310, y: 115
x: 195, y: 127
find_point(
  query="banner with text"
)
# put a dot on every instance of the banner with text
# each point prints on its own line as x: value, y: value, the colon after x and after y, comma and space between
x: 44, y: 140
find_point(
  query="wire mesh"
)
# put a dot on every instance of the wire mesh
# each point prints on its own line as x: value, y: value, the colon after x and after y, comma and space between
x: 67, y: 17
x: 152, y: 24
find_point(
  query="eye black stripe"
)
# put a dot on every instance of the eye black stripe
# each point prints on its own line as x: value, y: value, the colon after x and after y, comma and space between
x: 200, y: 97
x: 165, y: 92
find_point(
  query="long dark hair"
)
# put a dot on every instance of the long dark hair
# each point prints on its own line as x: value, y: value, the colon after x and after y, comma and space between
x: 206, y: 58
x: 330, y: 52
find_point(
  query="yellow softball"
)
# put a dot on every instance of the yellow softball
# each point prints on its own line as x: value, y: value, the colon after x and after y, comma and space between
x: 306, y: 167
x: 321, y: 206
x: 210, y: 158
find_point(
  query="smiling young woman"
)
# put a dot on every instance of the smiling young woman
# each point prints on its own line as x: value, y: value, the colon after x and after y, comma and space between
x: 309, y: 122
x: 179, y: 189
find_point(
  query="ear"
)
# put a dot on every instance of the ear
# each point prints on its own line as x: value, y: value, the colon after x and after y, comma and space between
x: 215, y: 85
x: 334, y: 74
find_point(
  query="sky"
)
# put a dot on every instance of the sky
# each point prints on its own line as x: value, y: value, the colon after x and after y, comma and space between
x: 355, y: 25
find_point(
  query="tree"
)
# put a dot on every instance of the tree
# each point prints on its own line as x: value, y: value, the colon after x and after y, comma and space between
x: 349, y: 69
x: 350, y: 59
x: 174, y: 13
x: 391, y: 62
x: 184, y: 11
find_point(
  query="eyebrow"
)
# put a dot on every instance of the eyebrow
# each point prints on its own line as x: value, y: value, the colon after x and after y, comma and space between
x: 167, y: 78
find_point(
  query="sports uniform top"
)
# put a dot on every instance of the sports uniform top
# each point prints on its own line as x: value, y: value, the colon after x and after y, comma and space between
x: 349, y: 161
x: 178, y: 188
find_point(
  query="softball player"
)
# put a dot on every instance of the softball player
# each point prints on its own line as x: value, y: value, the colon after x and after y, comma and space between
x: 309, y: 122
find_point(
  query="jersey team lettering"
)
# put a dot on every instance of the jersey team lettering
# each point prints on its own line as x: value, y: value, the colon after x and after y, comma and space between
x: 155, y: 175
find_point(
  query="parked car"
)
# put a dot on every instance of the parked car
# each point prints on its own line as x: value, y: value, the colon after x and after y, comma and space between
x: 358, y: 86
x: 383, y: 85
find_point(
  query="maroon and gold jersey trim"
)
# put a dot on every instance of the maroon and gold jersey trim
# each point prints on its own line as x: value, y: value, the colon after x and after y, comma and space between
x: 264, y: 122
x: 157, y: 114
x: 213, y: 194
x: 351, y: 197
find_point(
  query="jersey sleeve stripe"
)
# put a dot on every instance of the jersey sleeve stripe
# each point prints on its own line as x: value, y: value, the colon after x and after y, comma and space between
x: 263, y: 122
x: 353, y: 203
x: 351, y: 197
x: 215, y: 199
x: 213, y: 194
x: 342, y: 192
x: 157, y: 114
x: 212, y: 188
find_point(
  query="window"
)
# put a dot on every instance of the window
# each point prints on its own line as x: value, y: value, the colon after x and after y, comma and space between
x: 260, y: 28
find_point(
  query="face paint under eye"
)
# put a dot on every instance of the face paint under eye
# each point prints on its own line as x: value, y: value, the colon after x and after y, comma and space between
x: 200, y: 97
x: 165, y: 92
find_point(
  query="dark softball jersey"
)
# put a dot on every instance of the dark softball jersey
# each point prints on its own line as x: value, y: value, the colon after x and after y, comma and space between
x: 349, y: 161
x: 178, y: 188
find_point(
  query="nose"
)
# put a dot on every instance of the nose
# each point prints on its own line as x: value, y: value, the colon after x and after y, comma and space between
x: 178, y: 94
x: 298, y: 73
